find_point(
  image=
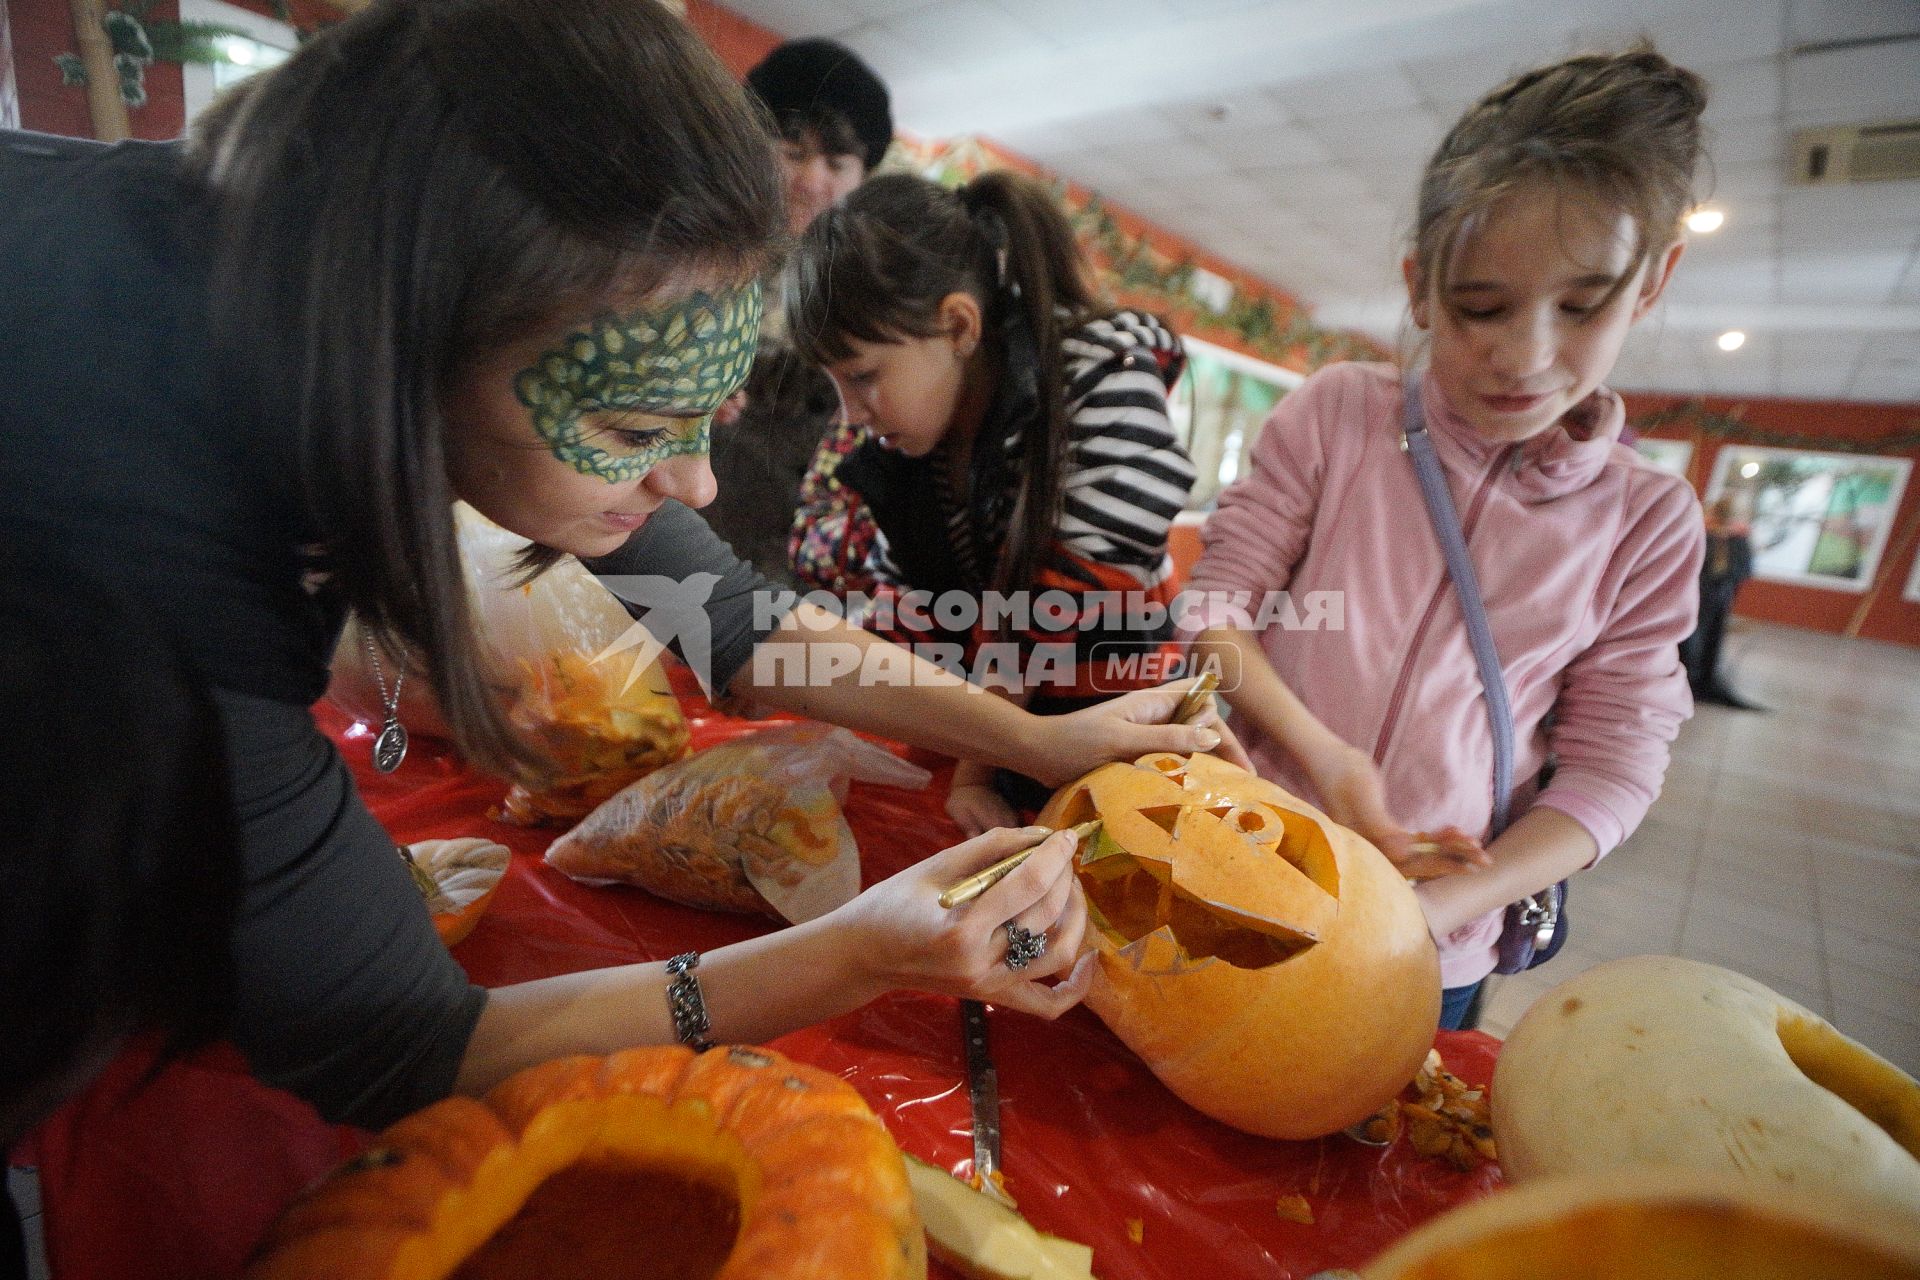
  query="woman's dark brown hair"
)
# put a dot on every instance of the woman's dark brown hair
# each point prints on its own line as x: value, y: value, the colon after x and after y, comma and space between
x: 428, y: 180
x: 1622, y: 129
x: 876, y: 268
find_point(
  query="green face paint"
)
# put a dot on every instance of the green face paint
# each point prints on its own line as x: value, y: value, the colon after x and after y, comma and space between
x: 677, y: 361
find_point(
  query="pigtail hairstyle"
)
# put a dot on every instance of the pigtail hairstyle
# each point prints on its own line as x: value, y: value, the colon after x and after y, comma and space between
x: 418, y: 185
x: 876, y: 268
x: 1622, y: 128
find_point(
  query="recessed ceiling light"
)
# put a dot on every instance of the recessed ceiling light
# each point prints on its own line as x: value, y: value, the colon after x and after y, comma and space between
x: 1704, y: 221
x: 1732, y: 340
x: 1748, y: 470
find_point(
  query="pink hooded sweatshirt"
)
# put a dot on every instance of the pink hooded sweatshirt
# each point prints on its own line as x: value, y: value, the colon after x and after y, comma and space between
x: 1588, y: 560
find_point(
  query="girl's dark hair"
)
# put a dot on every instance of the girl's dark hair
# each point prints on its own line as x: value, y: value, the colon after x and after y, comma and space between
x: 1622, y: 128
x: 875, y: 269
x: 118, y: 841
x: 427, y: 181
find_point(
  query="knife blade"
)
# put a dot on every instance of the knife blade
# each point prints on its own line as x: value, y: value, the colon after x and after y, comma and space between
x: 983, y: 1098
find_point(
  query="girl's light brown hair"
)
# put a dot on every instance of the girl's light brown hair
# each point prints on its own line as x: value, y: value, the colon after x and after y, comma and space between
x: 1622, y: 129
x: 876, y: 269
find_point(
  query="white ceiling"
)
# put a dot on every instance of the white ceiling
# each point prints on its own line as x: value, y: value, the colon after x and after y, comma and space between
x: 1287, y: 135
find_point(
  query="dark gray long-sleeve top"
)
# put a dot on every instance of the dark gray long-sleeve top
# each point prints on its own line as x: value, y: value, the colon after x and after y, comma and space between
x: 112, y: 440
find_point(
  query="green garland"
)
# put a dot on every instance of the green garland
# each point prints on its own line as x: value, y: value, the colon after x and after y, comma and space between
x: 1695, y: 417
x: 1134, y: 264
x: 1131, y: 263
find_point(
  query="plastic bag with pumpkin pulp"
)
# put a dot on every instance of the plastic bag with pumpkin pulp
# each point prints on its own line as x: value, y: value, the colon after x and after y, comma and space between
x: 601, y: 717
x: 753, y: 825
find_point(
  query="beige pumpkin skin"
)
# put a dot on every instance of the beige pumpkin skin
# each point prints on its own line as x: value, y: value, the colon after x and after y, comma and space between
x: 1658, y: 1060
x: 1658, y: 1224
x: 1292, y: 1048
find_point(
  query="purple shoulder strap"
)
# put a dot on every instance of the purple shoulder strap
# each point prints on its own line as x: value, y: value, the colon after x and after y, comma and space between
x: 1446, y: 527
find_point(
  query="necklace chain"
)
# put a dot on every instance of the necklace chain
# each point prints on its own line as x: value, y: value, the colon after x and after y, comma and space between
x: 389, y: 702
x: 390, y: 748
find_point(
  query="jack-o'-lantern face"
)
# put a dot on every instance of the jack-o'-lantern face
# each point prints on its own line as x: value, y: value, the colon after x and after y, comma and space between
x: 1229, y: 876
x: 1271, y: 967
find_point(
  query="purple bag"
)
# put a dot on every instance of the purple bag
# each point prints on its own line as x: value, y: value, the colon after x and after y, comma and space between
x: 1535, y: 927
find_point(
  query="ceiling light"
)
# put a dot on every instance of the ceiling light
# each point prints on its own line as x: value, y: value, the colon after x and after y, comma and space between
x: 1705, y: 220
x: 1732, y: 340
x: 1749, y: 470
x: 240, y: 51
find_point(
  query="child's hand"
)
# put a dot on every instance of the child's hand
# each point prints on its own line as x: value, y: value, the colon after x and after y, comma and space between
x: 977, y: 808
x: 905, y: 938
x: 1355, y: 796
x: 1125, y: 728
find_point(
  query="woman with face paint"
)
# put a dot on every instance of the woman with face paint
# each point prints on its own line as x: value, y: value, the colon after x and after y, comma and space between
x: 498, y: 250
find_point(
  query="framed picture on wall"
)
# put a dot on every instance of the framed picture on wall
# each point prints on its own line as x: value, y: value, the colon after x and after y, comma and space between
x: 1671, y: 456
x: 1913, y: 581
x: 1218, y: 407
x: 1818, y: 519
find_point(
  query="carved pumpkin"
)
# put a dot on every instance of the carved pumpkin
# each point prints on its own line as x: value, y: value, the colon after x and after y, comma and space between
x: 1666, y: 1061
x: 1658, y: 1224
x: 1271, y: 967
x: 654, y: 1163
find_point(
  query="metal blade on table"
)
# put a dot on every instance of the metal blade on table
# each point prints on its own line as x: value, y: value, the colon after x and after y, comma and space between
x: 983, y: 1097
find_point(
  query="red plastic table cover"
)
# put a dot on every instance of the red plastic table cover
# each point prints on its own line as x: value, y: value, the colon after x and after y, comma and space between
x: 178, y: 1178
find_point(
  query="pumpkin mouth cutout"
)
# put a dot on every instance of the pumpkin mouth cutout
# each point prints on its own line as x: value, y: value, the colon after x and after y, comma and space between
x: 1238, y: 882
x: 605, y: 1217
x: 1876, y: 1089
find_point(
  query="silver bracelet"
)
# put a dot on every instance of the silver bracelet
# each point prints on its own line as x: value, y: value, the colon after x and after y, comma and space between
x: 686, y: 1004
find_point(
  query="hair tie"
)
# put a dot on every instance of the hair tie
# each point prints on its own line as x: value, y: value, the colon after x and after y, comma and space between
x: 993, y: 228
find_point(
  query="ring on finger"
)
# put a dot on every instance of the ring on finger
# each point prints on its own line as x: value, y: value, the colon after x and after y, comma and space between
x: 1024, y: 946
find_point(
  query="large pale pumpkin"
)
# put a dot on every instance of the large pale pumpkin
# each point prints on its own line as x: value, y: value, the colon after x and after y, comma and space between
x: 1664, y: 1061
x: 1270, y: 966
x: 1658, y: 1224
x: 653, y: 1164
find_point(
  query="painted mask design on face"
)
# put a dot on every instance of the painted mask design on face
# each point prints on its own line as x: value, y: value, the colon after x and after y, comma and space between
x: 677, y: 361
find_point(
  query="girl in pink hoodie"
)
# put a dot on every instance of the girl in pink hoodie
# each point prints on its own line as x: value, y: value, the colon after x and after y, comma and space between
x: 1548, y: 224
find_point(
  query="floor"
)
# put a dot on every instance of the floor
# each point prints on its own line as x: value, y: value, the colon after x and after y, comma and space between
x: 1786, y: 845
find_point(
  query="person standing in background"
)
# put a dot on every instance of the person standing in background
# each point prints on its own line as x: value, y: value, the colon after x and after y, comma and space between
x: 833, y: 123
x: 1729, y: 563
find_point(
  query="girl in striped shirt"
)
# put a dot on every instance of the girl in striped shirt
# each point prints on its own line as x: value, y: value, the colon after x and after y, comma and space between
x: 1020, y: 468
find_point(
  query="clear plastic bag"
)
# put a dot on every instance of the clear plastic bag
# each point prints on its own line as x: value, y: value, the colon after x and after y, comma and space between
x: 602, y: 719
x: 750, y: 826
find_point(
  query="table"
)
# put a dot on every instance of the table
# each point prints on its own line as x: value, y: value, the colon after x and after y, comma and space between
x: 178, y: 1179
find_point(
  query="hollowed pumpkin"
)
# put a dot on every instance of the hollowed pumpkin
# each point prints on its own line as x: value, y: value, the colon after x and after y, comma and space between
x: 1667, y: 1061
x: 652, y: 1164
x: 1658, y: 1224
x: 1271, y: 967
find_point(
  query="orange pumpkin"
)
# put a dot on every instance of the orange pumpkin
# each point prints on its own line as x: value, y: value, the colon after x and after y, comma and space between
x: 655, y: 1163
x: 1271, y: 967
x: 1660, y: 1224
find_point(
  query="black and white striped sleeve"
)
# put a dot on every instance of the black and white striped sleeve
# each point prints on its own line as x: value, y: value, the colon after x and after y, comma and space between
x: 1127, y: 475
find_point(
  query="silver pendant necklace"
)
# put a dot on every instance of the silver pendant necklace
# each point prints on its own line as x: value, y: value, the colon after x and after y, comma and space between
x: 390, y: 748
